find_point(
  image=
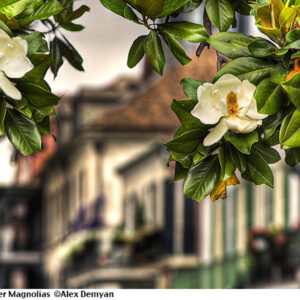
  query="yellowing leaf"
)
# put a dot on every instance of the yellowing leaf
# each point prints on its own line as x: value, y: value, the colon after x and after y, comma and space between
x: 220, y: 189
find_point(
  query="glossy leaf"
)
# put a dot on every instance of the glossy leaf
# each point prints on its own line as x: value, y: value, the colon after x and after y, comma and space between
x: 183, y: 110
x: 22, y: 132
x: 176, y: 48
x: 290, y: 131
x: 220, y: 13
x: 269, y: 97
x: 153, y: 49
x: 187, y: 142
x: 185, y: 31
x: 136, y: 52
x: 202, y: 178
x: 243, y: 142
x: 250, y: 68
x: 226, y: 163
x: 292, y: 88
x: 231, y: 44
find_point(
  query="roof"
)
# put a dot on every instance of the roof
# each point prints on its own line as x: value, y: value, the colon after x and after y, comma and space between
x: 151, y: 110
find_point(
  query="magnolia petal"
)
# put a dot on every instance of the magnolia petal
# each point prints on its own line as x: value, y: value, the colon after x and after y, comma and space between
x: 8, y: 88
x: 245, y: 96
x: 226, y: 84
x: 204, y: 110
x: 253, y: 113
x: 4, y: 41
x: 18, y: 67
x: 20, y: 46
x: 215, y: 134
x: 241, y: 124
x: 4, y: 34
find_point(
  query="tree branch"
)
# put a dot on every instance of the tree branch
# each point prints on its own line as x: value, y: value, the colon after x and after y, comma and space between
x: 221, y: 59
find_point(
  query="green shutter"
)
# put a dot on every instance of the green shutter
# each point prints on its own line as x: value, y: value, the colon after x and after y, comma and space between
x: 286, y: 198
x: 249, y: 204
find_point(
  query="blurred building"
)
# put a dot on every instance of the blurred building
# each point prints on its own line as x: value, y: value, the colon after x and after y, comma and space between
x: 100, y: 133
x: 111, y: 218
x: 20, y: 237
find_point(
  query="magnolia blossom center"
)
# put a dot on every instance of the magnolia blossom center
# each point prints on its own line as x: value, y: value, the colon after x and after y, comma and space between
x: 232, y: 103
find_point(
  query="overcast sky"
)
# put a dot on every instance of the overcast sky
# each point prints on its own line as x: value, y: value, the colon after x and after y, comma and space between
x: 104, y: 46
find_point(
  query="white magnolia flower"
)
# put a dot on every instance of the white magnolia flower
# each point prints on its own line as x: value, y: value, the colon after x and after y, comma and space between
x: 229, y: 102
x: 13, y: 63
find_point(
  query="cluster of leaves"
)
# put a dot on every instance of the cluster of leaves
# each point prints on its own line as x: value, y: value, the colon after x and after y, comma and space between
x: 24, y: 121
x: 157, y: 16
x: 272, y: 64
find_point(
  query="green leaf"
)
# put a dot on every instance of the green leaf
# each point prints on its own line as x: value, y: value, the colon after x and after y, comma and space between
x: 269, y: 97
x: 279, y: 73
x: 70, y: 53
x: 220, y: 13
x: 36, y: 95
x: 76, y: 14
x: 270, y: 155
x: 292, y: 88
x: 171, y: 6
x: 34, y: 41
x: 176, y: 48
x: 39, y: 113
x: 4, y: 3
x: 130, y: 15
x: 202, y: 178
x: 22, y: 132
x: 187, y: 142
x: 243, y: 142
x: 184, y: 159
x: 5, y: 28
x: 42, y: 63
x: 57, y: 56
x: 262, y: 48
x: 271, y: 123
x: 292, y: 156
x: 153, y: 49
x: 44, y: 126
x: 290, y: 131
x: 45, y: 11
x: 183, y: 110
x: 293, y: 39
x: 231, y: 44
x: 180, y: 172
x: 2, y: 115
x: 258, y: 171
x: 190, y: 88
x: 136, y: 52
x: 250, y: 68
x: 149, y: 8
x: 188, y: 7
x: 116, y: 6
x: 198, y: 157
x: 14, y: 9
x: 187, y: 31
x: 226, y: 163
x: 238, y: 158
x: 72, y: 27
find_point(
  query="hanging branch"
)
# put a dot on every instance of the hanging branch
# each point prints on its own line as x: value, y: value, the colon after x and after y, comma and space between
x: 221, y: 59
x: 207, y: 26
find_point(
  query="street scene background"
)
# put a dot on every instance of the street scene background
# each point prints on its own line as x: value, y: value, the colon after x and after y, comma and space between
x: 96, y: 208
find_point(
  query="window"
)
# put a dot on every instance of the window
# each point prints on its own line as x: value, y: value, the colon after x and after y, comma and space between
x: 82, y: 183
x: 151, y: 208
